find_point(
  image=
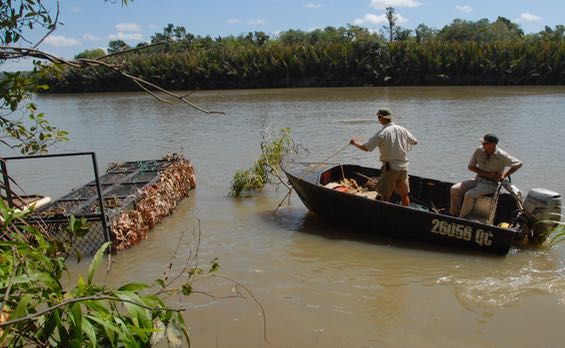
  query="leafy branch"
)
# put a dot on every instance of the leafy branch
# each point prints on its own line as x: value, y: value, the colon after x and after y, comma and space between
x: 265, y: 170
x: 32, y: 133
x: 36, y: 309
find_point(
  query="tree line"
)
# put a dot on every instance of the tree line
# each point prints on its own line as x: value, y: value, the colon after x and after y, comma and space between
x: 461, y: 53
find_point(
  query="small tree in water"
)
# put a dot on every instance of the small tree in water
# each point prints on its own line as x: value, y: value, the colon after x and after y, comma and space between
x: 265, y: 169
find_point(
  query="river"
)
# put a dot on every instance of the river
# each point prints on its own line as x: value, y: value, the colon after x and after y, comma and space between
x: 318, y: 285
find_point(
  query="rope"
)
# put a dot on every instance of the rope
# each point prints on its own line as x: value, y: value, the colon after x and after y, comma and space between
x: 325, y: 160
x: 493, y: 204
x: 311, y: 169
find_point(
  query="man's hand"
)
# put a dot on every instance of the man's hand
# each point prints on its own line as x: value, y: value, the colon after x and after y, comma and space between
x: 357, y: 144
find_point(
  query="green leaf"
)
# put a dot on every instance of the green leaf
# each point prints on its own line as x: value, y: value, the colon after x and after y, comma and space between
x: 140, y: 315
x: 47, y: 280
x: 186, y: 289
x: 76, y: 320
x: 96, y: 306
x: 90, y: 332
x: 96, y: 261
x: 110, y: 328
x: 153, y: 301
x: 215, y: 266
x: 133, y: 287
x: 22, y: 307
x: 81, y: 286
x: 48, y: 328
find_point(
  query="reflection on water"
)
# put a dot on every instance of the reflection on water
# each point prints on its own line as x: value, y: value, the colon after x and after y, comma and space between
x: 323, y: 284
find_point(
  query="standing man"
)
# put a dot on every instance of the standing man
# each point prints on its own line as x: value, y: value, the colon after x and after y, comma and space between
x: 488, y: 162
x: 393, y: 142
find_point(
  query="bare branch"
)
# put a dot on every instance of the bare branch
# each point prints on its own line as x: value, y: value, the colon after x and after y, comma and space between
x: 131, y: 50
x: 10, y: 282
x: 254, y: 300
x: 7, y: 52
x: 50, y: 30
x: 151, y: 93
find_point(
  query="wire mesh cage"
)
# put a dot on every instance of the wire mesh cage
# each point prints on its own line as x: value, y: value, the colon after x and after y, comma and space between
x: 107, y: 201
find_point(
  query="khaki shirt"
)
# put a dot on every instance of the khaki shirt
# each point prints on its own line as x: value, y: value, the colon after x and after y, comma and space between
x: 499, y: 160
x: 394, y: 142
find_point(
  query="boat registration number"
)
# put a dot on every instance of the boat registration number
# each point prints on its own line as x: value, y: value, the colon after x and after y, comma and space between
x: 460, y: 231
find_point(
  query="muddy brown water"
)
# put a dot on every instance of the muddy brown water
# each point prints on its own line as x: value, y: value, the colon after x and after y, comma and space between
x: 321, y: 284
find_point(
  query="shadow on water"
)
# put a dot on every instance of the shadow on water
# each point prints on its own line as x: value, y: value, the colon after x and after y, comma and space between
x: 313, y: 224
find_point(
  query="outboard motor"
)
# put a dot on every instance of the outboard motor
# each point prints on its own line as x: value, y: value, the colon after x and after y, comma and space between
x: 536, y: 213
x: 541, y: 207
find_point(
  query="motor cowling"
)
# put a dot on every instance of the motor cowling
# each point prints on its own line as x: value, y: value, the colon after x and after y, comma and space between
x: 541, y: 207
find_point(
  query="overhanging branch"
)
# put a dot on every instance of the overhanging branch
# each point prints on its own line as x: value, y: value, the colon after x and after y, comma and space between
x: 7, y: 52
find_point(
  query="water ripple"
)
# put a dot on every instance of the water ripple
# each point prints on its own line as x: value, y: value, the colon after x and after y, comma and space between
x: 508, y: 288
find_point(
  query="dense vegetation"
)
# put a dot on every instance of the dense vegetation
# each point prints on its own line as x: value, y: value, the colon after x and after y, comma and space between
x: 462, y: 53
x: 42, y: 307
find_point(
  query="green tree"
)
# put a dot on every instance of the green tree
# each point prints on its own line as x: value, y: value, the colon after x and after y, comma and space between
x: 115, y: 46
x: 548, y: 34
x: 356, y: 33
x: 258, y: 38
x: 403, y: 34
x: 166, y: 36
x: 505, y: 29
x: 172, y: 33
x: 481, y: 30
x: 91, y: 54
x: 391, y: 28
x: 425, y: 33
x: 292, y: 37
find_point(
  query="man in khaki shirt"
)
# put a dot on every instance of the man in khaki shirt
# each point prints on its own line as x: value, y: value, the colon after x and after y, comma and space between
x: 488, y: 162
x: 394, y: 142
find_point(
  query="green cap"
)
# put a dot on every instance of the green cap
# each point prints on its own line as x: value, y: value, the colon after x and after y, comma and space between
x: 385, y: 113
x: 489, y: 139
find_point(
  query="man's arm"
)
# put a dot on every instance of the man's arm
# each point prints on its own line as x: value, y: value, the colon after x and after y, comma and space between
x: 474, y: 167
x: 512, y: 170
x: 358, y: 145
x: 484, y: 173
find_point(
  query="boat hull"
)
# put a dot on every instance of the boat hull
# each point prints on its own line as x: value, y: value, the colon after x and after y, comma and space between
x: 384, y: 218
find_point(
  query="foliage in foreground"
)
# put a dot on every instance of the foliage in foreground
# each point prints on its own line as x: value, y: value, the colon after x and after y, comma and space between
x: 37, y: 309
x: 264, y: 170
x: 557, y: 234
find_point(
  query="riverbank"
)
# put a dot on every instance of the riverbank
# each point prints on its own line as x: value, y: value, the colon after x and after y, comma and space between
x: 398, y: 63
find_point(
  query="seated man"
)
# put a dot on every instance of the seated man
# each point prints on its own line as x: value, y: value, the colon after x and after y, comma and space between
x: 489, y: 162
